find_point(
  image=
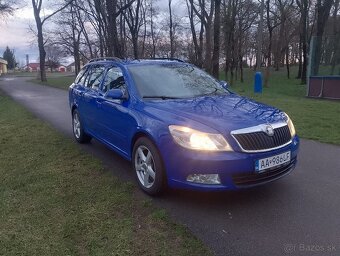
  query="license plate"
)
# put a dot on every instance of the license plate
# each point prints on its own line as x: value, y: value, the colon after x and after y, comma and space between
x: 273, y: 161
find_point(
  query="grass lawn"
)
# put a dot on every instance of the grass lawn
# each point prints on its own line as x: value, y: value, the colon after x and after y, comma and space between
x: 57, y: 200
x: 57, y: 80
x: 314, y: 118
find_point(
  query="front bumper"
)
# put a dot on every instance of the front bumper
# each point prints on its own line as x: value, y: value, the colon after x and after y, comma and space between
x: 236, y: 169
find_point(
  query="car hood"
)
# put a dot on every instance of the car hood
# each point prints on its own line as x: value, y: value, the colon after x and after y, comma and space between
x: 222, y: 113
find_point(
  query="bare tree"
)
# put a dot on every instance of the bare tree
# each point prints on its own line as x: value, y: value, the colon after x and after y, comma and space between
x: 205, y: 11
x: 69, y: 33
x: 133, y: 18
x: 152, y: 30
x: 40, y: 21
x: 283, y: 7
x: 246, y: 15
x: 113, y: 11
x: 272, y: 23
x: 197, y: 42
x: 53, y: 55
x: 7, y: 7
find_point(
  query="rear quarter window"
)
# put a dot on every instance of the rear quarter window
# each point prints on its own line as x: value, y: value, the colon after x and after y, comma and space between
x: 80, y: 79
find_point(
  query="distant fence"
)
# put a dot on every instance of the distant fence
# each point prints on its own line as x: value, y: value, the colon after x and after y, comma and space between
x: 324, y: 87
x: 324, y: 68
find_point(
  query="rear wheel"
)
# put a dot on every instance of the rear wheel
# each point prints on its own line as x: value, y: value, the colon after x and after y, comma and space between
x: 148, y: 166
x: 78, y: 130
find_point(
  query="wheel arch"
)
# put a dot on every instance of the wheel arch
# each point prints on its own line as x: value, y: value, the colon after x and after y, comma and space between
x: 74, y: 106
x: 139, y: 134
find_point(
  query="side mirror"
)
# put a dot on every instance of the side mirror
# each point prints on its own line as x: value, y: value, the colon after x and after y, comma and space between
x: 224, y: 84
x: 116, y: 94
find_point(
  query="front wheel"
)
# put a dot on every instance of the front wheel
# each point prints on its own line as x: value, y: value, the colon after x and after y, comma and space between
x: 148, y: 166
x: 78, y: 130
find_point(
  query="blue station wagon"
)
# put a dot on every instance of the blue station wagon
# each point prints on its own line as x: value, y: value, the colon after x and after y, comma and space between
x: 180, y: 127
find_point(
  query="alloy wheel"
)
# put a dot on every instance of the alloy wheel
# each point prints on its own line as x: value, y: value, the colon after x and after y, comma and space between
x: 145, y: 166
x: 76, y: 125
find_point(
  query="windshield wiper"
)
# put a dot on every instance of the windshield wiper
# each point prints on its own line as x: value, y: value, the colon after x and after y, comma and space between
x: 213, y: 92
x: 209, y: 93
x: 161, y: 97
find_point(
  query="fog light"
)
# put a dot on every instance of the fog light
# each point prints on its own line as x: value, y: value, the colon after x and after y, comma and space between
x: 204, y: 178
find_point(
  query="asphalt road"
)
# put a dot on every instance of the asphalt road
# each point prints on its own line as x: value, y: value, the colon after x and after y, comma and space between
x: 297, y: 215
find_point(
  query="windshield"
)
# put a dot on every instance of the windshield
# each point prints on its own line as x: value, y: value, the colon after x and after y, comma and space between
x: 174, y: 81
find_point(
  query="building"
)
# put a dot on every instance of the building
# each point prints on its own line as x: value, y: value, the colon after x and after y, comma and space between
x: 35, y: 67
x: 3, y: 66
x: 71, y: 67
x: 61, y: 68
x: 32, y: 67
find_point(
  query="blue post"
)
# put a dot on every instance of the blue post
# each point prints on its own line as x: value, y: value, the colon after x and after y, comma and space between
x: 258, y: 82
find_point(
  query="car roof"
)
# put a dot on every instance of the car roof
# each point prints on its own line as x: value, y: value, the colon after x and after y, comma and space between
x: 127, y: 62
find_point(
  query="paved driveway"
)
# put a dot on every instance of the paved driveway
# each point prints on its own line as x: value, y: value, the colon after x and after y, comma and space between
x: 297, y: 215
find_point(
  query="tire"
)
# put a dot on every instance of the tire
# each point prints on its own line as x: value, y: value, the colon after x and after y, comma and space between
x: 148, y: 166
x: 77, y: 128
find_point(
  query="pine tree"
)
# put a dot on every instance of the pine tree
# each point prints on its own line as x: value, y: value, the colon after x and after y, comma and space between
x: 9, y: 56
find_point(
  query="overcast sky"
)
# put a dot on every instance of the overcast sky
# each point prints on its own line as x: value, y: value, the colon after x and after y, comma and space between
x: 14, y: 30
x: 14, y: 33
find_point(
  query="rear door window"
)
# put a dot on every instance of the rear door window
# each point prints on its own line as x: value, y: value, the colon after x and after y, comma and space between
x: 95, y: 77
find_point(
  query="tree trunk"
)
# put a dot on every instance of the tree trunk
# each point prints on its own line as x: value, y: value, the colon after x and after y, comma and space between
x: 287, y: 62
x: 241, y: 71
x: 216, y: 51
x: 101, y: 28
x: 197, y: 44
x: 278, y: 52
x: 207, y: 57
x: 304, y: 42
x: 110, y: 29
x: 171, y: 28
x: 76, y: 56
x: 42, y: 52
x: 259, y: 38
x: 208, y: 36
x: 200, y: 48
x: 300, y: 61
x: 135, y: 46
x: 153, y: 53
x: 113, y: 46
x: 269, y: 52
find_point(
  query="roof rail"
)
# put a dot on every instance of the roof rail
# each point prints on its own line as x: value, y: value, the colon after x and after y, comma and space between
x: 179, y: 60
x: 105, y: 58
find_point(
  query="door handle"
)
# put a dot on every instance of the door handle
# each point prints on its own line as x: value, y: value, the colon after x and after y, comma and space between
x: 99, y: 101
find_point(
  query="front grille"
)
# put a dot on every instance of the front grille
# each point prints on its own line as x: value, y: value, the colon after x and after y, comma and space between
x: 259, y: 140
x: 251, y: 179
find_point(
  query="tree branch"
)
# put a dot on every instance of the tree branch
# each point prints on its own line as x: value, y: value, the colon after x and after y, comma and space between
x: 55, y: 12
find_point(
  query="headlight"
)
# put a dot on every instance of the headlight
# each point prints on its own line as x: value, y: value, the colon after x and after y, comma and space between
x: 193, y: 139
x: 290, y: 126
